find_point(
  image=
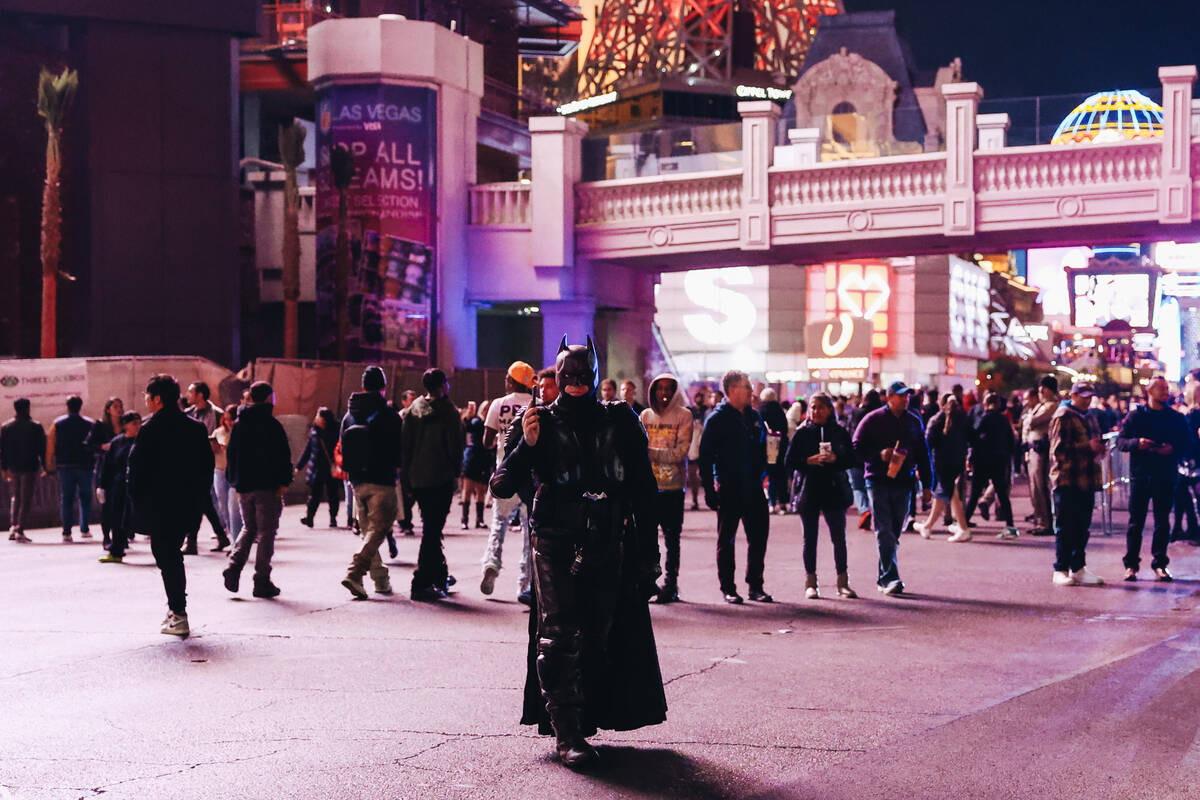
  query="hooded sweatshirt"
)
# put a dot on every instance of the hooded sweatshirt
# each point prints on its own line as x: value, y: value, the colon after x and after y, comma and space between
x: 433, y: 441
x: 670, y: 432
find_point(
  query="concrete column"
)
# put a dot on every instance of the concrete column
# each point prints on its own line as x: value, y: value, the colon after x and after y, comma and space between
x: 556, y: 151
x: 806, y: 146
x: 962, y: 101
x: 390, y: 51
x: 993, y: 131
x: 1175, y: 191
x: 576, y: 319
x: 758, y: 149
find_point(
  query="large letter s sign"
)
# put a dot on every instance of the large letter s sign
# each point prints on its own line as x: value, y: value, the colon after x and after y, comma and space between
x: 735, y: 312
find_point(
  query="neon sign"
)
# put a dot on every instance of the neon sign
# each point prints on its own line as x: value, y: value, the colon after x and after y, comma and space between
x: 861, y: 289
x: 586, y: 103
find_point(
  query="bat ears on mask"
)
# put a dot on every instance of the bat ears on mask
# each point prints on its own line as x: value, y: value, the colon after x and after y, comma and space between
x: 593, y: 356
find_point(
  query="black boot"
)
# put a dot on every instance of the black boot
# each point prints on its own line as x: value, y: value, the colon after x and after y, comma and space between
x: 265, y: 589
x: 479, y: 523
x: 573, y: 750
x: 466, y: 515
x: 669, y: 593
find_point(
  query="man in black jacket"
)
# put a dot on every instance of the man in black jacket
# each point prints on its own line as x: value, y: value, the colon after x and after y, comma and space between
x: 370, y: 456
x: 22, y: 457
x: 170, y: 476
x: 1156, y: 437
x: 992, y: 443
x: 259, y: 466
x: 75, y: 465
x: 431, y: 459
x: 733, y: 459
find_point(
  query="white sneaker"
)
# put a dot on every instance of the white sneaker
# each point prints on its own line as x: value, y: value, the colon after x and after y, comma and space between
x: 175, y: 624
x: 958, y: 534
x: 1064, y: 579
x: 1008, y: 533
x: 893, y: 588
x: 923, y: 529
x: 1085, y: 577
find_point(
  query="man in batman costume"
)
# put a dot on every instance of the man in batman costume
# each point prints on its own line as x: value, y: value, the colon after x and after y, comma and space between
x: 592, y: 658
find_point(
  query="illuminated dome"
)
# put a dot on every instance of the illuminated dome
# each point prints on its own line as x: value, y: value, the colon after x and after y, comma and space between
x: 1111, y: 117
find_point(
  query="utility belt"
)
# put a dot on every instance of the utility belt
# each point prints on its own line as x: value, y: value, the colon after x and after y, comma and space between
x: 594, y: 521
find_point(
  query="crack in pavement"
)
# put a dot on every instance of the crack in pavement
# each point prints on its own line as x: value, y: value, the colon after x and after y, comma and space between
x: 875, y: 711
x: 716, y: 663
x: 103, y: 788
x: 387, y: 690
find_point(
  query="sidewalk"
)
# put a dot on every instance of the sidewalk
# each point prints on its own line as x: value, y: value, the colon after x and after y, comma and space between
x: 986, y: 681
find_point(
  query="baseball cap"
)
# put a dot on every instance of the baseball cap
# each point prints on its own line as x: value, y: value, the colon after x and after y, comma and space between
x: 521, y: 372
x: 1083, y: 388
x: 898, y: 387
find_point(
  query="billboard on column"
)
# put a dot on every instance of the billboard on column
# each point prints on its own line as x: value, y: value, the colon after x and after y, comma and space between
x: 391, y: 133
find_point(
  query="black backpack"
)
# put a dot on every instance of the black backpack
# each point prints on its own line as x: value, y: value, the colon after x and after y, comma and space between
x: 356, y: 446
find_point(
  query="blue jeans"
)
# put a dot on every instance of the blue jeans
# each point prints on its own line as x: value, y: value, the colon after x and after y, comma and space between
x: 229, y: 508
x: 73, y: 482
x: 859, y: 486
x: 1072, y: 518
x: 889, y: 509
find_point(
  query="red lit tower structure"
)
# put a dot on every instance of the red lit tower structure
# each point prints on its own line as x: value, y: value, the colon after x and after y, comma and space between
x: 636, y: 41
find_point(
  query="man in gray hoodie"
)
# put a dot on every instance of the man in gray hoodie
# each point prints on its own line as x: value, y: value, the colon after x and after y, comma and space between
x: 432, y: 441
x: 668, y: 424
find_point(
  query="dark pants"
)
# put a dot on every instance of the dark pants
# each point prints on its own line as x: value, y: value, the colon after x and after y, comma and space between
x: 750, y: 509
x: 260, y: 517
x: 890, y: 502
x: 118, y: 521
x: 571, y: 609
x: 214, y: 519
x: 835, y: 519
x: 22, y: 498
x: 75, y: 482
x: 670, y: 519
x: 995, y: 473
x: 777, y: 484
x: 1072, y: 519
x: 332, y: 489
x: 1142, y: 490
x: 407, y: 499
x: 166, y: 549
x: 1186, y: 525
x: 434, y: 503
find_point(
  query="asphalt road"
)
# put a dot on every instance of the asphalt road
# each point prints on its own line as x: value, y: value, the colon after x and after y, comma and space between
x: 985, y: 682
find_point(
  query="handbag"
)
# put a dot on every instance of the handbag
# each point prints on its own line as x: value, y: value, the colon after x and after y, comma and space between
x: 335, y: 463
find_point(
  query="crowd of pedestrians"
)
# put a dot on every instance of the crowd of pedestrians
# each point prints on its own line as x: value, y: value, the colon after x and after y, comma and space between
x: 900, y: 459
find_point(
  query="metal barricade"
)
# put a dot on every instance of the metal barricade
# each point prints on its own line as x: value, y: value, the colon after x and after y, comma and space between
x: 1114, y: 491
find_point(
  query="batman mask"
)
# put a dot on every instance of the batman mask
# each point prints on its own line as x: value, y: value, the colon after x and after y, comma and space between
x: 577, y: 365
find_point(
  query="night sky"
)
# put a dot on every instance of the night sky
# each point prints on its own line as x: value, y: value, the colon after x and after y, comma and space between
x: 1018, y: 48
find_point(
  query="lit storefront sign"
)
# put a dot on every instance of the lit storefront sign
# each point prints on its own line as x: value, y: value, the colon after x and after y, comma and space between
x: 763, y: 92
x: 1097, y: 298
x: 713, y: 320
x: 839, y: 348
x: 862, y: 289
x: 970, y: 289
x: 1178, y: 256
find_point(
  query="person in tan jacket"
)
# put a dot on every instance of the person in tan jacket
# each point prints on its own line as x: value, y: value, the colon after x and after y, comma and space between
x: 1035, y: 435
x: 668, y: 423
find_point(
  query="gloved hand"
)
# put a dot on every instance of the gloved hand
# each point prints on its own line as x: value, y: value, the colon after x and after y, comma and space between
x: 711, y: 499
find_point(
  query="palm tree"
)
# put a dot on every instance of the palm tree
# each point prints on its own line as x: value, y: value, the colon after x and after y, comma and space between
x: 291, y: 153
x: 341, y: 163
x: 55, y: 93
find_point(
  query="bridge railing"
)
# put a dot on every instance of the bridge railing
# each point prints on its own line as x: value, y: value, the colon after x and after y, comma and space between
x: 697, y: 193
x: 870, y: 180
x: 499, y: 204
x: 1023, y: 169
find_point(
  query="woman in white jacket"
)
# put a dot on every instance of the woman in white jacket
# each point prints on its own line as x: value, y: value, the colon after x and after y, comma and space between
x: 669, y: 424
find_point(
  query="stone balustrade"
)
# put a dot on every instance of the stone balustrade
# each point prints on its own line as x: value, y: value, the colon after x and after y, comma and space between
x: 857, y: 181
x: 1022, y: 169
x: 505, y: 204
x: 696, y: 193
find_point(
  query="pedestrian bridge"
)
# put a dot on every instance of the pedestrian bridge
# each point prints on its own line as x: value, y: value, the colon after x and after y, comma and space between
x: 782, y: 206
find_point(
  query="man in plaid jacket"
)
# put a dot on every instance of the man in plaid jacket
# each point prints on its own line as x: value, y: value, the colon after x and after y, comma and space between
x: 1075, y: 448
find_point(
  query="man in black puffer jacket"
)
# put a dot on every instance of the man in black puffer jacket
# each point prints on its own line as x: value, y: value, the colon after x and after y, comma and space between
x: 733, y: 453
x: 431, y: 460
x: 370, y: 456
x: 259, y: 466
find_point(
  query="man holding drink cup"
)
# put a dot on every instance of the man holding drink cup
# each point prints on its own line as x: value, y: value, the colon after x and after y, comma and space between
x: 890, y: 444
